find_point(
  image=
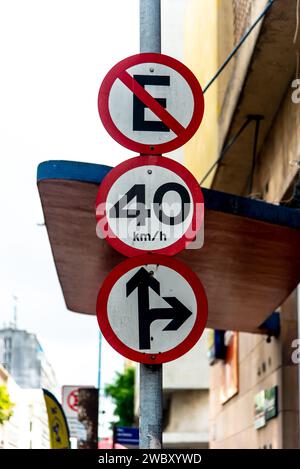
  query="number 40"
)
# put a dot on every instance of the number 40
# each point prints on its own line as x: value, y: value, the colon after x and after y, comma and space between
x: 138, y: 192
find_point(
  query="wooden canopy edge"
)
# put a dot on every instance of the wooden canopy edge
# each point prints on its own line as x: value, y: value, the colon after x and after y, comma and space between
x: 214, y: 200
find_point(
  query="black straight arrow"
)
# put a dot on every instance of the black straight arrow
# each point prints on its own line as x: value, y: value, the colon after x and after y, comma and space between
x: 178, y: 313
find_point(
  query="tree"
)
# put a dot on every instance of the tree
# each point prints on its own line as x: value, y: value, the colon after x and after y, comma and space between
x: 121, y: 392
x: 5, y: 405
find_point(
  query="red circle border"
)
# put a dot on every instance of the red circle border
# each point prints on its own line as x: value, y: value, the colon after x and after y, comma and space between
x: 171, y: 165
x: 148, y: 149
x: 187, y: 343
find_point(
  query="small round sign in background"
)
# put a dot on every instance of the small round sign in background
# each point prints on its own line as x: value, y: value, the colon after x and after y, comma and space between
x: 152, y: 309
x: 151, y: 103
x: 149, y: 203
x: 72, y: 400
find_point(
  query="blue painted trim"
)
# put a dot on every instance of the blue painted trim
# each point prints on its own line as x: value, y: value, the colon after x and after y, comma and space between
x: 272, y: 324
x: 72, y: 171
x: 214, y: 200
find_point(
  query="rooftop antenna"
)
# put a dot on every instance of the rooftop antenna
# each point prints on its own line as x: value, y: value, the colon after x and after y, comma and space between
x: 15, y: 311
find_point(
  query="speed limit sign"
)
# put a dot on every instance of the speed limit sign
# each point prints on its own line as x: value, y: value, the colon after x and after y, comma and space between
x: 149, y: 203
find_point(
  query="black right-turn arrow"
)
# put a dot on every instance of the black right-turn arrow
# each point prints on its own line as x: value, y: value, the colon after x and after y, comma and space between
x: 178, y: 313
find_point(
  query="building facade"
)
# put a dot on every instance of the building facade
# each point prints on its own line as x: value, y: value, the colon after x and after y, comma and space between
x: 28, y: 426
x: 23, y: 357
x: 185, y: 399
x: 254, y: 387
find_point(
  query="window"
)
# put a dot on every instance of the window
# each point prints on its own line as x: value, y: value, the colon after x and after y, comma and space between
x: 7, y: 343
x: 7, y: 360
x: 7, y: 357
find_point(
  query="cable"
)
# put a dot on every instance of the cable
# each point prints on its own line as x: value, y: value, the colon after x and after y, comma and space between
x: 219, y: 71
x: 297, y: 64
x: 234, y: 51
x: 256, y: 135
x: 297, y: 22
x: 229, y: 144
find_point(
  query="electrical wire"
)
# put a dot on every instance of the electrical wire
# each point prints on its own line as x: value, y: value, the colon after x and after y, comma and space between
x: 220, y: 70
x: 234, y: 51
x: 226, y: 148
x: 297, y: 22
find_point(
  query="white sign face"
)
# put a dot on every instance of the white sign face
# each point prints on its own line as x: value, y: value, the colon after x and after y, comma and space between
x: 135, y: 120
x: 152, y: 308
x: 136, y: 192
x: 149, y: 204
x: 154, y: 317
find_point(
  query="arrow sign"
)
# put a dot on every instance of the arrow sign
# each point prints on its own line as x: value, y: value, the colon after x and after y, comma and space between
x: 178, y: 313
x: 152, y: 308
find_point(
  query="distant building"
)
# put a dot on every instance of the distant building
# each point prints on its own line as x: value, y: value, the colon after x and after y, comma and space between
x: 254, y: 389
x: 185, y: 399
x: 22, y: 356
x: 28, y: 427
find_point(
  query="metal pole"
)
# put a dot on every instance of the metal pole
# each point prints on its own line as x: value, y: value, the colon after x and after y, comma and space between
x: 99, y: 383
x: 150, y: 375
x: 298, y: 316
x: 150, y: 406
x: 99, y: 361
x: 150, y: 33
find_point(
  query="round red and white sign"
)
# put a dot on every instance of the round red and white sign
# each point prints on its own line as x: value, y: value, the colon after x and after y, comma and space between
x: 149, y: 203
x: 72, y: 400
x: 151, y: 103
x: 152, y: 309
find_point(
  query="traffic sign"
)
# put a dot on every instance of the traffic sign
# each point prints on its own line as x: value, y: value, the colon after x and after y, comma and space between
x: 149, y: 203
x: 151, y: 103
x: 70, y: 407
x: 126, y: 436
x: 152, y: 308
x: 72, y: 400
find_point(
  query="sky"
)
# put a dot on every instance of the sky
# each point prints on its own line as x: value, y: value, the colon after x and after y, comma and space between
x: 53, y: 57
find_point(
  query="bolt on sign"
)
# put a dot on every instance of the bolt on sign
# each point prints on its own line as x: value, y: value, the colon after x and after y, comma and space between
x: 151, y: 308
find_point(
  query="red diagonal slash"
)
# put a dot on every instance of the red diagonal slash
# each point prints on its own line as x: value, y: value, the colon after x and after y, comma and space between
x: 151, y: 103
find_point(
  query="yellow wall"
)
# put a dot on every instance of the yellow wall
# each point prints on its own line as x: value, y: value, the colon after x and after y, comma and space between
x: 201, y: 56
x: 208, y: 40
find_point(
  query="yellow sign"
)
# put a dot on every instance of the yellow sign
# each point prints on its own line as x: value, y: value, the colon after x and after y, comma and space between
x: 58, y: 427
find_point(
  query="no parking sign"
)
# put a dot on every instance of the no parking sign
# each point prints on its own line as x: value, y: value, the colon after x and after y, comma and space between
x: 151, y: 103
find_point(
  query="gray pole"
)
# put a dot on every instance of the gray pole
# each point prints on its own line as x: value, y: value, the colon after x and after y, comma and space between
x: 150, y: 34
x: 150, y: 406
x: 150, y: 375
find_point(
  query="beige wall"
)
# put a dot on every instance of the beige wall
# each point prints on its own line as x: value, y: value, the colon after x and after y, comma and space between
x: 232, y: 424
x: 187, y: 424
x: 274, y: 173
x: 232, y: 79
x: 186, y: 401
x: 261, y: 366
x: 190, y: 371
x: 201, y: 57
x: 211, y: 31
